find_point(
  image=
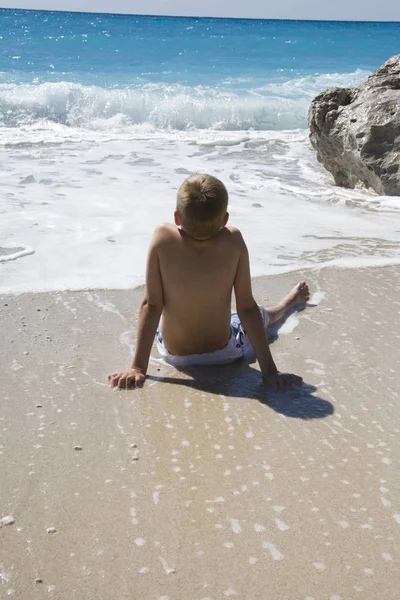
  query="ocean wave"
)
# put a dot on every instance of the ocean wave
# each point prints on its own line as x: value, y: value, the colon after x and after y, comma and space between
x: 274, y: 106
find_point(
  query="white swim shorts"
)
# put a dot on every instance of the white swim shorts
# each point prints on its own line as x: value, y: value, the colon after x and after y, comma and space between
x: 238, y: 347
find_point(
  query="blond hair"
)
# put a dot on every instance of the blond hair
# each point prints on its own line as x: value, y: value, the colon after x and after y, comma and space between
x: 201, y: 203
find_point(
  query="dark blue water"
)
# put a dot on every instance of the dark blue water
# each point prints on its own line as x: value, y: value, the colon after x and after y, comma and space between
x: 115, y: 49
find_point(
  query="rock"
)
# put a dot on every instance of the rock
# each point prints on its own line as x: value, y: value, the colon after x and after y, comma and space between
x: 51, y: 530
x: 356, y: 131
x: 38, y: 580
x: 7, y: 520
x: 78, y: 448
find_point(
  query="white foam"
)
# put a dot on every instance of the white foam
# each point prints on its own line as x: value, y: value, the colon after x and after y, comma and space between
x: 281, y: 525
x: 278, y: 105
x: 139, y: 542
x: 317, y: 298
x: 106, y: 306
x: 289, y: 325
x: 386, y: 556
x: 19, y: 253
x: 275, y: 553
x: 236, y: 527
x: 96, y: 197
x: 168, y: 570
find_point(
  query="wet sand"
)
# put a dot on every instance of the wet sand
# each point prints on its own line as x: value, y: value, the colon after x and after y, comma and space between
x: 202, y: 485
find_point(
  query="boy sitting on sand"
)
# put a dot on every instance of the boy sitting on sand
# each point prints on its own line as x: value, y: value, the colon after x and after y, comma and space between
x: 192, y: 268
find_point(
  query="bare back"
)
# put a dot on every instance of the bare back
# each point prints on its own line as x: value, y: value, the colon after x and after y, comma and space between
x: 197, y: 279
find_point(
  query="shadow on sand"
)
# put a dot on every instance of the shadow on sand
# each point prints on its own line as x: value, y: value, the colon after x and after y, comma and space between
x: 240, y: 380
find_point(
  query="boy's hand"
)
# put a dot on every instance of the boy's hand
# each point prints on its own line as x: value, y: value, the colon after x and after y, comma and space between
x: 282, y: 382
x: 127, y: 381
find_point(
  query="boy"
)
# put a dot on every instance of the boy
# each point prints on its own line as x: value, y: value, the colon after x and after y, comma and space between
x: 192, y: 268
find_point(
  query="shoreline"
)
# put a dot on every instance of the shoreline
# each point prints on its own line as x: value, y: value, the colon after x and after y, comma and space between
x: 340, y: 264
x: 203, y: 484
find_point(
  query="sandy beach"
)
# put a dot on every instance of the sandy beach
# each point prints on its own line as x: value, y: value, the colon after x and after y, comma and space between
x: 202, y: 485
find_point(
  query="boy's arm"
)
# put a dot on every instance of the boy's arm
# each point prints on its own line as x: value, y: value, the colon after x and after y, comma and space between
x: 252, y: 322
x: 149, y: 316
x: 150, y: 309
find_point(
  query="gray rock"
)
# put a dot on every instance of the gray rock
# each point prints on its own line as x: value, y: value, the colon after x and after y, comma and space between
x: 356, y: 131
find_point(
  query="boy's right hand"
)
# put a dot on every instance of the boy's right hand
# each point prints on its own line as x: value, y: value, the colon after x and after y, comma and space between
x: 127, y: 381
x: 281, y: 382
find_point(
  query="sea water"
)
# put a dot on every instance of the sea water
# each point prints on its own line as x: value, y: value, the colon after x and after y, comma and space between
x: 103, y: 116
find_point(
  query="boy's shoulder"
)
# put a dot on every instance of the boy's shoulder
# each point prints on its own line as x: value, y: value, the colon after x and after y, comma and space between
x: 164, y: 232
x: 236, y: 236
x: 165, y: 228
x: 234, y: 231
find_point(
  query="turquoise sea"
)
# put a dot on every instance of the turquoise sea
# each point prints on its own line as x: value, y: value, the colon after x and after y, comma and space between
x: 101, y: 116
x: 228, y: 73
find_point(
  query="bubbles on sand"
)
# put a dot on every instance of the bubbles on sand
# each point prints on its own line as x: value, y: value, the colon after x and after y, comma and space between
x: 236, y: 527
x: 281, y: 525
x: 275, y: 553
x: 140, y: 542
x: 319, y: 566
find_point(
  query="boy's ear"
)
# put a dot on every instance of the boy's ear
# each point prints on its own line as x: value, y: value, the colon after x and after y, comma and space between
x: 177, y: 219
x: 226, y: 219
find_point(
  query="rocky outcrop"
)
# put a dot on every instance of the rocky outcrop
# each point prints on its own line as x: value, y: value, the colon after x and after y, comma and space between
x: 356, y: 131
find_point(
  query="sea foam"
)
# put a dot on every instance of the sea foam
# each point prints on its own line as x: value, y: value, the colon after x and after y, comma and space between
x: 273, y: 106
x: 86, y: 211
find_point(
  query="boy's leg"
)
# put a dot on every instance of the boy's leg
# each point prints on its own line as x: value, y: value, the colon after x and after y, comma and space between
x: 299, y: 295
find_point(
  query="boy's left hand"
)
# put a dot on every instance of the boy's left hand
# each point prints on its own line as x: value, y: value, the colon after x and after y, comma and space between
x: 127, y: 381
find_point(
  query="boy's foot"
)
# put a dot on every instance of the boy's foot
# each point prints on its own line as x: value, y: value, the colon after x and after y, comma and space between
x: 300, y: 294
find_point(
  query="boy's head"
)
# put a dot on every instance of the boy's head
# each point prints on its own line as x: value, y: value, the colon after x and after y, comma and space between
x: 201, y: 206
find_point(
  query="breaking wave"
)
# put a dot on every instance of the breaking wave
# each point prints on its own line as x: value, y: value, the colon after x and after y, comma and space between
x: 274, y: 106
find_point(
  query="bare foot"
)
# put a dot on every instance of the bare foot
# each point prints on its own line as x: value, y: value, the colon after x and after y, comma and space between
x: 300, y: 294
